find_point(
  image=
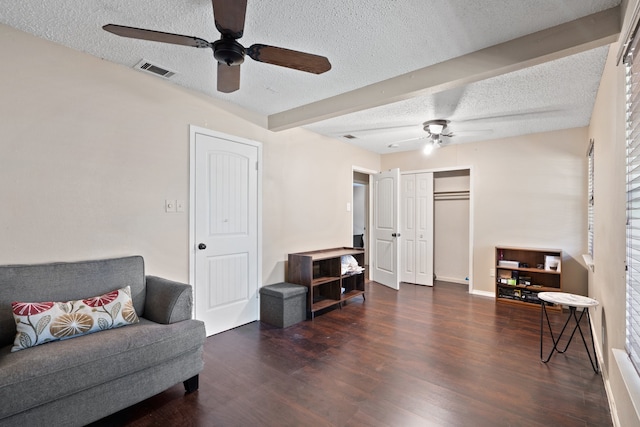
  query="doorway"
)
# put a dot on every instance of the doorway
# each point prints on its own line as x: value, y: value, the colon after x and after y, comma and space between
x: 360, y: 210
x: 360, y: 206
x: 435, y: 222
x: 451, y: 225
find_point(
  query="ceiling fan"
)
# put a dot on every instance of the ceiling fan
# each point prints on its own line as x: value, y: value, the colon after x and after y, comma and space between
x: 457, y: 128
x: 435, y: 130
x: 229, y: 18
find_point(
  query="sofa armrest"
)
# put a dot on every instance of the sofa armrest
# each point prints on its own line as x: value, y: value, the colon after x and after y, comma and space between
x: 167, y: 301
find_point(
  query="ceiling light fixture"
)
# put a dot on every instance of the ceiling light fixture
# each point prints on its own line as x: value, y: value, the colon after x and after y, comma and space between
x: 428, y: 147
x: 432, y: 143
x: 435, y: 127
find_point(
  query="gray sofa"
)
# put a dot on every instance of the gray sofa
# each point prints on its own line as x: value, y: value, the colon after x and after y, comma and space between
x: 83, y: 379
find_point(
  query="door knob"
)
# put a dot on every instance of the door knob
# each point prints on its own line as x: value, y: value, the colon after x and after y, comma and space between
x: 395, y: 234
x: 202, y: 246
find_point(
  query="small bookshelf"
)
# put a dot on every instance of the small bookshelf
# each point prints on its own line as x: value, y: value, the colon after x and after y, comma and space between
x: 523, y: 272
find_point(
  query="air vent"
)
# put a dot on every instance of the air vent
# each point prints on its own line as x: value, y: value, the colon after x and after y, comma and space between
x: 148, y: 67
x: 348, y: 136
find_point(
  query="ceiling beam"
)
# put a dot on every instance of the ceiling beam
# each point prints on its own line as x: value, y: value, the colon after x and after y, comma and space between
x: 570, y: 38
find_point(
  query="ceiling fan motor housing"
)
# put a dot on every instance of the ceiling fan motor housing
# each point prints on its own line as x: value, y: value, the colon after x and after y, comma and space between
x: 426, y: 125
x: 228, y: 51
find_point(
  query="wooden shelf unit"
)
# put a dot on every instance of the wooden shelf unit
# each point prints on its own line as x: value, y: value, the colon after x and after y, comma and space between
x: 526, y: 280
x: 321, y: 272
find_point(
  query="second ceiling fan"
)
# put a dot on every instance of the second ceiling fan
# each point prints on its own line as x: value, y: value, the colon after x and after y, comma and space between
x: 435, y: 130
x: 229, y: 16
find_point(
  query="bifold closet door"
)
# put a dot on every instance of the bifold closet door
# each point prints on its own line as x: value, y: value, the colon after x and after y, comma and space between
x: 416, y: 210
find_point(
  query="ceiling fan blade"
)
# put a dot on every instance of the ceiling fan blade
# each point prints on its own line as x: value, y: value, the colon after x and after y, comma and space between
x: 522, y: 114
x: 470, y: 132
x: 378, y: 130
x: 228, y: 78
x: 155, y: 36
x: 289, y: 58
x: 417, y: 138
x: 229, y: 16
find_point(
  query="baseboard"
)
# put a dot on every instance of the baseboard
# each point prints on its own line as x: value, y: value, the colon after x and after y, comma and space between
x: 605, y: 379
x: 483, y: 293
x: 452, y: 280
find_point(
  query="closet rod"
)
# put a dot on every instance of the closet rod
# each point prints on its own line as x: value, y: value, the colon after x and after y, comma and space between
x: 451, y: 192
x: 451, y: 195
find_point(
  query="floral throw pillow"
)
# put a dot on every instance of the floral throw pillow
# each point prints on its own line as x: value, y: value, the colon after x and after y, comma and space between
x: 41, y: 322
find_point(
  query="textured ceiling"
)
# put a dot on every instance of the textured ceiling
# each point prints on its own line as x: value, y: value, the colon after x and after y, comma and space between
x: 367, y: 42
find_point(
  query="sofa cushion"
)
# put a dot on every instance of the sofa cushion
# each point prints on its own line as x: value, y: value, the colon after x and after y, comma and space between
x: 46, y: 373
x: 66, y: 282
x: 41, y: 322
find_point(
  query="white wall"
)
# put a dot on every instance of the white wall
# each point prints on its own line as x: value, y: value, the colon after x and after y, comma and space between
x: 607, y: 283
x: 90, y: 150
x: 526, y: 191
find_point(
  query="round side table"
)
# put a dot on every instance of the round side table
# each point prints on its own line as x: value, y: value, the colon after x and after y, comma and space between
x: 573, y: 302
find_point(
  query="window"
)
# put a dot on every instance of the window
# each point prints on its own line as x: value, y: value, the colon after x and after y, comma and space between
x: 590, y: 201
x: 632, y: 64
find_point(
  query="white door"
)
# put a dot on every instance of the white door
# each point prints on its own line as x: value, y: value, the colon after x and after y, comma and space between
x: 225, y: 235
x: 385, y: 233
x: 408, y: 228
x: 424, y: 229
x: 416, y: 212
x: 417, y: 228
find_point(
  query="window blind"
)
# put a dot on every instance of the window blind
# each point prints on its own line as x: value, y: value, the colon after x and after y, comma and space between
x: 590, y: 200
x: 632, y: 64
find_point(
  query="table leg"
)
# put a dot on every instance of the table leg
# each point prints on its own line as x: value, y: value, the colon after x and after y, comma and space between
x: 594, y: 360
x: 572, y: 314
x: 543, y: 314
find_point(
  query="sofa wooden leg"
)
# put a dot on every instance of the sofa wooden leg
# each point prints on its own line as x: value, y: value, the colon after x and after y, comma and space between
x: 191, y: 384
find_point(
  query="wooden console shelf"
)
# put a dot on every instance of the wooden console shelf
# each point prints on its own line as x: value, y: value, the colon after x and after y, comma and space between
x: 523, y: 272
x: 321, y: 272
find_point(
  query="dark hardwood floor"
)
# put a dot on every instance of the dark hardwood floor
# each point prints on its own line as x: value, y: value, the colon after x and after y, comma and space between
x: 418, y: 357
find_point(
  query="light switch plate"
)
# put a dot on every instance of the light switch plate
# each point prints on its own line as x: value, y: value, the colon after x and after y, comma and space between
x: 170, y: 206
x: 180, y: 206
